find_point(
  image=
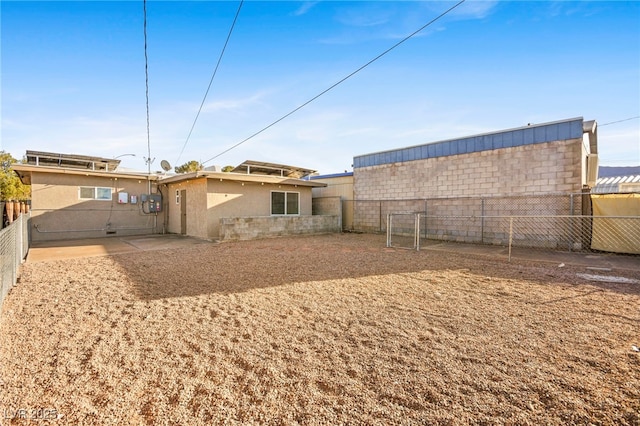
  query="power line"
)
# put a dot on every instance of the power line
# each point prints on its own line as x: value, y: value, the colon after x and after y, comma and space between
x: 337, y: 83
x: 210, y: 81
x: 146, y: 84
x: 620, y: 121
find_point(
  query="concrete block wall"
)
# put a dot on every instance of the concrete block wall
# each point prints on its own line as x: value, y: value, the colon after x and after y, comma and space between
x: 551, y: 167
x: 461, y: 183
x: 326, y: 206
x: 250, y: 228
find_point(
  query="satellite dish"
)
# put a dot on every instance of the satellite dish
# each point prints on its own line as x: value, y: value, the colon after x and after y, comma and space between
x: 165, y: 165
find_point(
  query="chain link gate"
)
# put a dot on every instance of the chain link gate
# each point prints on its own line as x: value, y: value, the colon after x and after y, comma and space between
x: 403, y: 230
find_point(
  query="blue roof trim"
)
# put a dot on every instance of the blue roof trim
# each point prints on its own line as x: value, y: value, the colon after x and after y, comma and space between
x: 331, y: 176
x: 540, y: 133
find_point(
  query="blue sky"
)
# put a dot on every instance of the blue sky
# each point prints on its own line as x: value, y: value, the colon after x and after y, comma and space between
x: 73, y: 77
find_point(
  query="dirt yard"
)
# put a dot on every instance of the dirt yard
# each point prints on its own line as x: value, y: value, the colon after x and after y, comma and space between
x: 317, y: 330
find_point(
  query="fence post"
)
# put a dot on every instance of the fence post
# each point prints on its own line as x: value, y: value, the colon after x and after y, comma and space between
x: 482, y: 221
x: 417, y: 232
x: 426, y: 215
x: 510, y: 236
x: 587, y: 223
x: 571, y: 224
x: 388, y: 230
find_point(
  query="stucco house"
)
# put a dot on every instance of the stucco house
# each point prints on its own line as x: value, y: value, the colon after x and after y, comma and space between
x: 75, y: 196
x: 253, y: 200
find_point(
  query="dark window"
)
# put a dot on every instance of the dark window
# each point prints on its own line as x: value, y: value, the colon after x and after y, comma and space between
x: 285, y: 203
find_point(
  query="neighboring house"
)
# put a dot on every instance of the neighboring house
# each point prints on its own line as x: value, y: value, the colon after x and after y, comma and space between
x: 616, y: 210
x: 76, y: 196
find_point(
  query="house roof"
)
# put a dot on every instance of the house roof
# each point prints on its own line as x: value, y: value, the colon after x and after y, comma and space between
x: 272, y: 169
x: 240, y: 177
x: 24, y: 172
x: 81, y: 165
x: 73, y: 161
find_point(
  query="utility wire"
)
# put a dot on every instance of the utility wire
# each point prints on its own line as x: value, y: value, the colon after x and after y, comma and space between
x: 337, y: 83
x: 620, y: 121
x: 146, y: 84
x: 210, y: 81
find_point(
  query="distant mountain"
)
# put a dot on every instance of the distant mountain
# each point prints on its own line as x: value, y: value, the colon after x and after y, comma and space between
x: 610, y: 171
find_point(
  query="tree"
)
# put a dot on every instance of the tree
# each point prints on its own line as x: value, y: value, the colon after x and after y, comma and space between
x: 11, y: 188
x: 227, y: 169
x: 191, y: 166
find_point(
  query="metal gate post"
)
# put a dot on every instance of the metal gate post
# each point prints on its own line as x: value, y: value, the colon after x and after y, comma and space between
x: 510, y: 236
x: 571, y: 223
x: 417, y: 232
x: 388, y: 230
x: 482, y: 222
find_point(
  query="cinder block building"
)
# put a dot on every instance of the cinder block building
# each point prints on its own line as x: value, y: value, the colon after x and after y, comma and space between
x: 466, y: 186
x: 555, y: 157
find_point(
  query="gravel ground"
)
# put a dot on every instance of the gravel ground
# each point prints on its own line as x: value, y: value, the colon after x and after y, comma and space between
x: 317, y: 330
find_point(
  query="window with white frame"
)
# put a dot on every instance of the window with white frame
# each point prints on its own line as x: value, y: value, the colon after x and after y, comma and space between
x: 177, y: 196
x: 285, y: 203
x: 94, y: 193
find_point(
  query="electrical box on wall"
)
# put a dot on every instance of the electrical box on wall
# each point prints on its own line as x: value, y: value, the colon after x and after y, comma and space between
x: 155, y: 203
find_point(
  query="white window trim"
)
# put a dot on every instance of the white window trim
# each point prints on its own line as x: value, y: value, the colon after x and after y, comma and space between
x: 95, y: 193
x: 285, y: 203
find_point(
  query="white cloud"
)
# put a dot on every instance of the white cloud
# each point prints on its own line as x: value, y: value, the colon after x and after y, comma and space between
x: 306, y: 6
x: 235, y: 104
x: 371, y: 16
x: 474, y: 9
x: 619, y: 146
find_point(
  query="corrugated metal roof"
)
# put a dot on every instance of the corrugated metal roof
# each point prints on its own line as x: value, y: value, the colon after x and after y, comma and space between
x: 614, y: 184
x: 618, y: 179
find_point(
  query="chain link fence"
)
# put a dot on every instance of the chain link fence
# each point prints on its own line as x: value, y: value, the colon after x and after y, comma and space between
x: 552, y: 222
x: 14, y: 246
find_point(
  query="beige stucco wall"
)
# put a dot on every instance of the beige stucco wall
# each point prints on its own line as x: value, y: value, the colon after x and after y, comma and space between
x: 209, y: 200
x: 338, y: 186
x: 58, y: 212
x: 196, y: 208
x: 552, y: 167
